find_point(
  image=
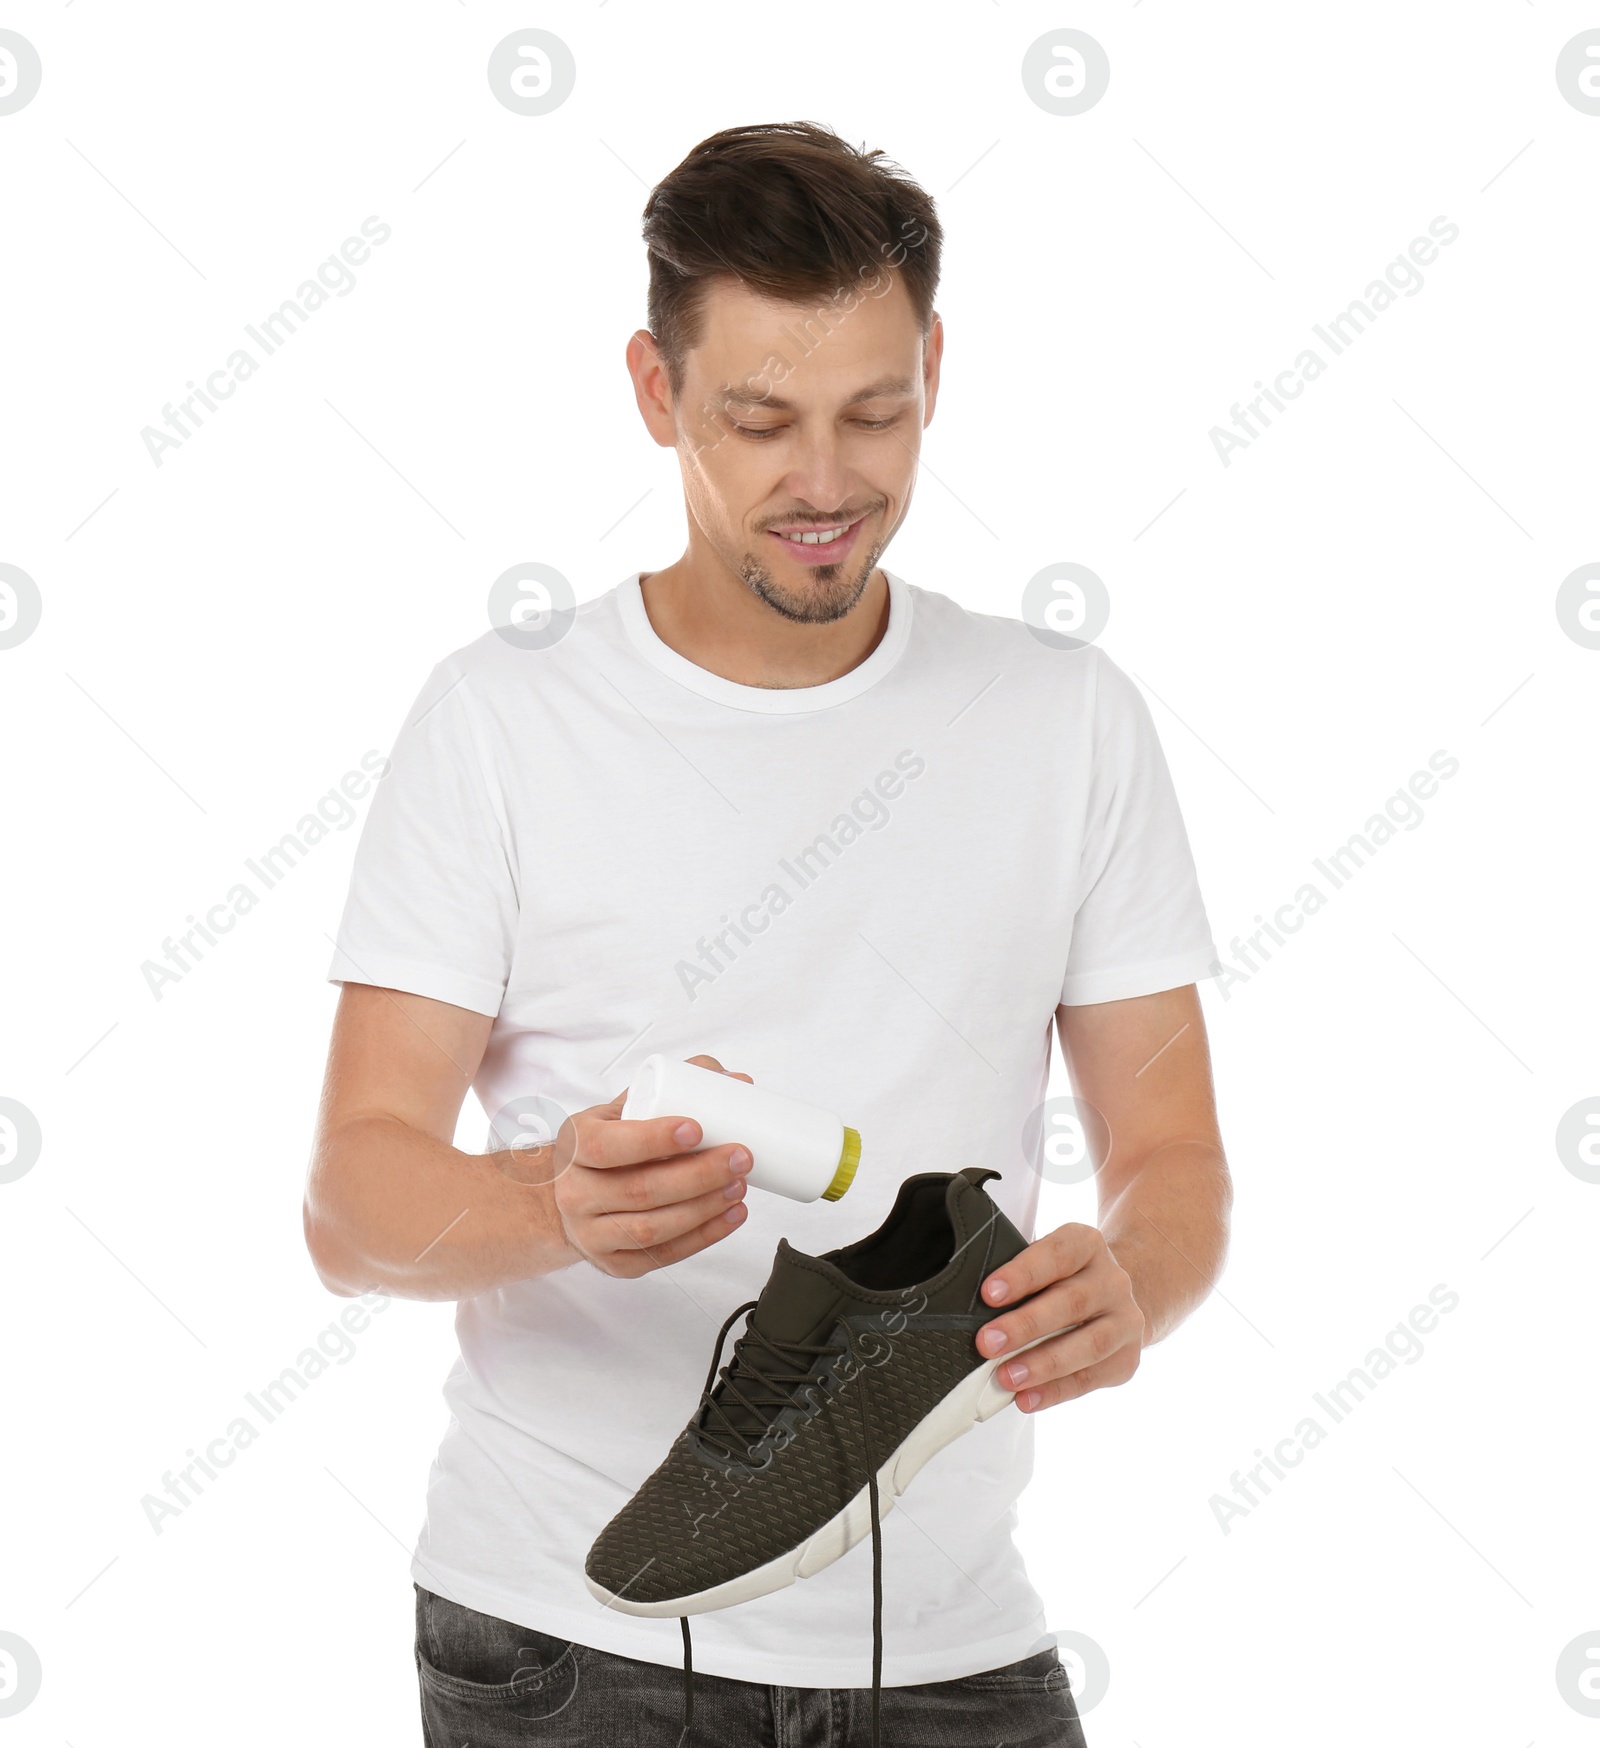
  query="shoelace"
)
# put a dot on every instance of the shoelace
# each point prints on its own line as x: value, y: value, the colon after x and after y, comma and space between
x: 732, y: 1441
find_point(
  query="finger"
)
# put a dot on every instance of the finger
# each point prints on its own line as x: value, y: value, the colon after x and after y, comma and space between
x: 1062, y: 1305
x: 612, y: 1113
x: 631, y: 1264
x: 658, y: 1183
x: 1052, y: 1258
x: 1106, y: 1374
x: 712, y: 1063
x: 603, y: 1138
x: 654, y: 1234
x: 605, y: 1143
x: 1060, y: 1356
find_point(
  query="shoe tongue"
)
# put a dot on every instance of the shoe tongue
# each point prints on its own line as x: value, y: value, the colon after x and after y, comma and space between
x: 798, y: 1304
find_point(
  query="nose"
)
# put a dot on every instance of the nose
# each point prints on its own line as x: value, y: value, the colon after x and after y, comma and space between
x: 820, y: 476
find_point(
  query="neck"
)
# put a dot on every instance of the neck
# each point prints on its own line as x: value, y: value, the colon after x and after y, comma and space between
x: 715, y: 620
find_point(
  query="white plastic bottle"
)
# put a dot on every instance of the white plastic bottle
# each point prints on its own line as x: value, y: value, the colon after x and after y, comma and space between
x: 796, y: 1150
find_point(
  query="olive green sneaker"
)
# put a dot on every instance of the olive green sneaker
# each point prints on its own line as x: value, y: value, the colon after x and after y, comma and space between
x: 854, y: 1369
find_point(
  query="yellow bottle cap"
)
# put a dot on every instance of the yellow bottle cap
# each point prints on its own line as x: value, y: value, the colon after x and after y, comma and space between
x: 849, y: 1159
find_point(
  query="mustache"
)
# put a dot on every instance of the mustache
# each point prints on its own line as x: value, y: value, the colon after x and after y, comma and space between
x: 842, y: 520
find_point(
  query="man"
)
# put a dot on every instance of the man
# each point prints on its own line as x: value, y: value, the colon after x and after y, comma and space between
x: 776, y: 806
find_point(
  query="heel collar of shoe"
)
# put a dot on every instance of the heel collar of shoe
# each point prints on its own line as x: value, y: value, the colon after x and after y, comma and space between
x: 961, y: 1206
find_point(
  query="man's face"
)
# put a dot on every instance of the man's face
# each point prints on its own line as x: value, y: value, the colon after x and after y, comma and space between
x: 800, y: 419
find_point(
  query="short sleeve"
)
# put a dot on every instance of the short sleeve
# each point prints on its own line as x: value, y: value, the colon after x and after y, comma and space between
x: 1140, y: 925
x: 432, y: 907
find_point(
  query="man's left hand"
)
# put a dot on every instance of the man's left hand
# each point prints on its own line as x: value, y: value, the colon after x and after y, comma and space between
x: 1082, y: 1300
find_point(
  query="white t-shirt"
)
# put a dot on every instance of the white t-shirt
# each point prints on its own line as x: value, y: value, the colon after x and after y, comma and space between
x: 869, y: 894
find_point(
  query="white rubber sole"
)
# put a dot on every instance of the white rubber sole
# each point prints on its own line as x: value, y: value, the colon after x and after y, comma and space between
x: 976, y: 1398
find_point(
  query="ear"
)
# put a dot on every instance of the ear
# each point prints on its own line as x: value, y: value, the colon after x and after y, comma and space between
x: 650, y: 388
x: 932, y: 360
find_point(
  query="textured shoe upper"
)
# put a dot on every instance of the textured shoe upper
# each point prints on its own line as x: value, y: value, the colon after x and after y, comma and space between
x: 776, y: 1448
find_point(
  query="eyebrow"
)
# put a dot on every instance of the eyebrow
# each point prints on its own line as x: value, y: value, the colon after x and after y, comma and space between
x: 889, y: 385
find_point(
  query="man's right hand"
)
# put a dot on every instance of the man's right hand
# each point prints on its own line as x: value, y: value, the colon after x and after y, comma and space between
x: 633, y: 1195
x: 392, y: 1205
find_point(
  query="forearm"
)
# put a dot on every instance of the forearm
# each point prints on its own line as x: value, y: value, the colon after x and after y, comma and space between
x: 391, y: 1209
x: 1168, y: 1228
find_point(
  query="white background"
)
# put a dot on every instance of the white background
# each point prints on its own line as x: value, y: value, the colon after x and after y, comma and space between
x: 224, y: 636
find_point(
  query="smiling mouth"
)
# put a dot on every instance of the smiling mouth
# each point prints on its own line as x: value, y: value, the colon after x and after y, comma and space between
x: 812, y: 538
x: 816, y: 536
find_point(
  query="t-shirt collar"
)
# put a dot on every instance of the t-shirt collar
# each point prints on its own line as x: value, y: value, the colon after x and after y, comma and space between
x: 771, y: 700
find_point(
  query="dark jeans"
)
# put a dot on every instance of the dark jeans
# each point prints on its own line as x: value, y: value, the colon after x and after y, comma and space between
x: 487, y: 1683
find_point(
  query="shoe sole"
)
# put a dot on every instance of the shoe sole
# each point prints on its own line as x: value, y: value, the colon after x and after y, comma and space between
x: 975, y: 1399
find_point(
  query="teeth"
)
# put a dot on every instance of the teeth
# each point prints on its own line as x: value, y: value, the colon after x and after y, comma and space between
x: 816, y: 537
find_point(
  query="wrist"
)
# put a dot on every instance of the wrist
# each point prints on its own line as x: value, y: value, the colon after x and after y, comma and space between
x: 554, y: 1248
x: 533, y: 1170
x: 1124, y: 1253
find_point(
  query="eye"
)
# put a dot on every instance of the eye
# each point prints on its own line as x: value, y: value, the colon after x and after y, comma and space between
x: 760, y: 433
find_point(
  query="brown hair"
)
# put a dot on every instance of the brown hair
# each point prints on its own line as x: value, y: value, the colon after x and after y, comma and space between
x: 793, y: 212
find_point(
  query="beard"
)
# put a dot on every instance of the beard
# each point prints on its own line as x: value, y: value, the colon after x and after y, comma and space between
x: 829, y: 592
